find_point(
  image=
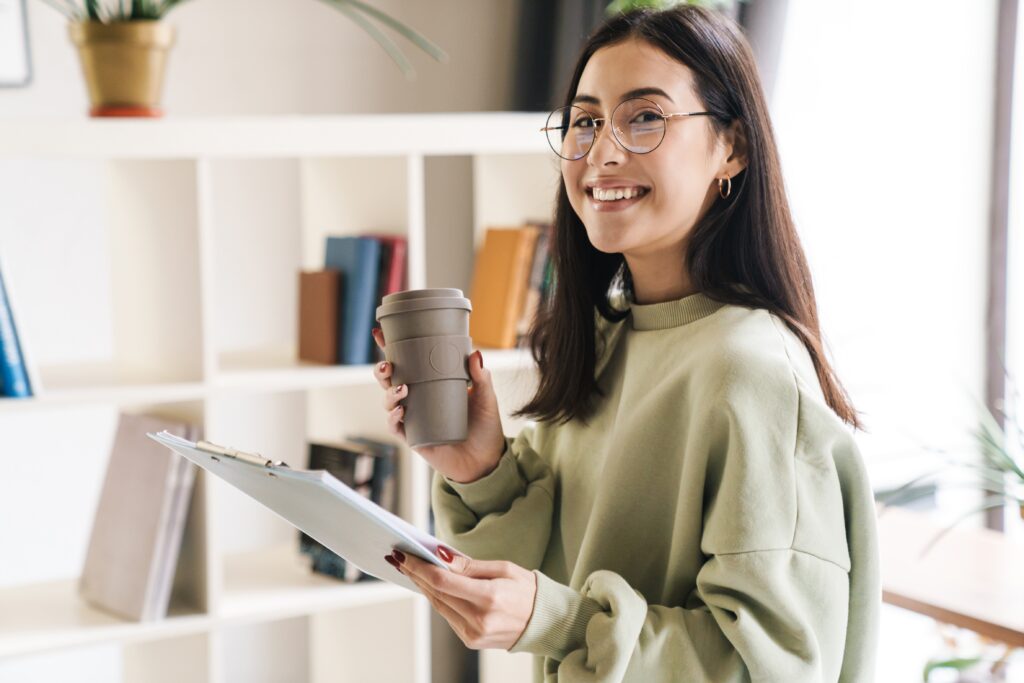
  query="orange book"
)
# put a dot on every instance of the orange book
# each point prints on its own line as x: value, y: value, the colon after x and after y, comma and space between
x: 319, y: 293
x: 501, y: 277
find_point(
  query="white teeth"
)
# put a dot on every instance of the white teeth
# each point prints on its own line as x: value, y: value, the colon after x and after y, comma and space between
x: 613, y: 194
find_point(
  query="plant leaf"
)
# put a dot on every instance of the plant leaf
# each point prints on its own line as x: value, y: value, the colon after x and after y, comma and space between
x: 410, y: 34
x: 989, y: 503
x: 375, y: 33
x: 959, y: 664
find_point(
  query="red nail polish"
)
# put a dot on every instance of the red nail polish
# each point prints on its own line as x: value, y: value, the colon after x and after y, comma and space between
x: 390, y: 560
x: 445, y: 554
x: 400, y: 556
x: 481, y: 356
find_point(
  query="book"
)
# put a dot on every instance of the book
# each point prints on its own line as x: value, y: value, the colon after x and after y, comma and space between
x: 393, y: 277
x: 137, y: 531
x: 358, y: 260
x: 534, y: 288
x: 384, y: 485
x: 367, y: 467
x: 394, y: 257
x: 498, y: 289
x: 319, y: 293
x: 14, y: 381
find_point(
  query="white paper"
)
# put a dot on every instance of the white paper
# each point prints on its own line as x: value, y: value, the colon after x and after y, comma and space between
x: 319, y: 504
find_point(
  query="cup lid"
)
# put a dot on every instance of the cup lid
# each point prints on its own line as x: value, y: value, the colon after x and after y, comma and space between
x: 422, y: 300
x: 422, y: 294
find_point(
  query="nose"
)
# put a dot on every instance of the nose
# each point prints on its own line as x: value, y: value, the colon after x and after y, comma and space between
x: 605, y: 149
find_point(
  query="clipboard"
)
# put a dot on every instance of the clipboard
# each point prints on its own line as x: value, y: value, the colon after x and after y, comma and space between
x: 319, y: 504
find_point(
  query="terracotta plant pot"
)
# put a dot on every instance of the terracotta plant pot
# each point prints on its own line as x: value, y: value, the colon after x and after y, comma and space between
x: 124, y: 64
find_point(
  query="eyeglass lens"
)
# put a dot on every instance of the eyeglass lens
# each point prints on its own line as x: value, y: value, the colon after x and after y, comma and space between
x: 637, y: 124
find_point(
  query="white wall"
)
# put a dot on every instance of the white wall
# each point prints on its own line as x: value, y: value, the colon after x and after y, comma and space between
x: 294, y: 57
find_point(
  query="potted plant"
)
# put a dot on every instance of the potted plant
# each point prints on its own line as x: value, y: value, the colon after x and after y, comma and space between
x: 123, y: 48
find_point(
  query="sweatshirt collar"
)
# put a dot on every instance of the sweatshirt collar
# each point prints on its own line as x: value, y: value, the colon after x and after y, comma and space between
x: 674, y: 313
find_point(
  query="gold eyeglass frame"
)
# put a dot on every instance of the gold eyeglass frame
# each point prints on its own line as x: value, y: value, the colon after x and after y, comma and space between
x: 602, y: 120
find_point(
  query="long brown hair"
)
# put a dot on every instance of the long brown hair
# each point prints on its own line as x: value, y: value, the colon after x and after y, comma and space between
x: 744, y: 250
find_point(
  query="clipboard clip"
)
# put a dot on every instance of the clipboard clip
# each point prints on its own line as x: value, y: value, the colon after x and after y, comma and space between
x: 251, y: 458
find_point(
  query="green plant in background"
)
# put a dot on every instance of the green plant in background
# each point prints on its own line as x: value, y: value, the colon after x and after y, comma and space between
x: 151, y: 10
x: 618, y: 6
x: 999, y: 473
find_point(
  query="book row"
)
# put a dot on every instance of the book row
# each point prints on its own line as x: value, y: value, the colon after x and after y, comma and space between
x: 142, y: 561
x: 512, y: 275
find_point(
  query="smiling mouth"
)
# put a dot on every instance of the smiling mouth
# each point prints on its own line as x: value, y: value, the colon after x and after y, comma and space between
x: 616, y: 194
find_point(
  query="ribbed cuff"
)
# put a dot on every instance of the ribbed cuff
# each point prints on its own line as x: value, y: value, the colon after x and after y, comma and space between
x: 559, y: 621
x: 495, y: 491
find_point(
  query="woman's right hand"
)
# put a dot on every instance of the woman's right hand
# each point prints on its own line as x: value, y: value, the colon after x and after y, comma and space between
x: 471, y: 459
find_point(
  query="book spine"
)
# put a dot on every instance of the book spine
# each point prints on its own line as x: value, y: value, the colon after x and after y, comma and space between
x: 159, y: 575
x: 358, y: 258
x: 518, y: 286
x: 533, y: 292
x: 13, y: 377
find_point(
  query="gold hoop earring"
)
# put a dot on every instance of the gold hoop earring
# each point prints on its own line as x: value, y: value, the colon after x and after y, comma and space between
x: 728, y: 187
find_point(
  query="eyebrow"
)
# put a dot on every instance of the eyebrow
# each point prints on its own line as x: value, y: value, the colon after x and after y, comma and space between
x: 636, y: 92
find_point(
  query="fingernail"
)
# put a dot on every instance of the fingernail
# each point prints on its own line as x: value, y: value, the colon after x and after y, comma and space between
x: 390, y: 560
x: 398, y: 389
x: 383, y: 366
x: 481, y: 357
x: 445, y: 554
x: 400, y: 556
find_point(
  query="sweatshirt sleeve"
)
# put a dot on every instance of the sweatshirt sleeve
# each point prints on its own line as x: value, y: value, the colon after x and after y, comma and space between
x: 760, y: 616
x: 505, y: 515
x: 770, y: 600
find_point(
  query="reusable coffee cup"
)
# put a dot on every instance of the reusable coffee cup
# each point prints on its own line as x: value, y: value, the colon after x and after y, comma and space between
x: 426, y: 340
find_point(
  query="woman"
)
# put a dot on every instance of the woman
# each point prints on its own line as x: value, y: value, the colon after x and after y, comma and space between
x: 688, y: 505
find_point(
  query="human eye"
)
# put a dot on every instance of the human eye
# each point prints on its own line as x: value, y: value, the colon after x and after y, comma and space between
x: 648, y: 116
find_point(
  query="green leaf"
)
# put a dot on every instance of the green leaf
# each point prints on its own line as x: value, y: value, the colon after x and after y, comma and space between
x: 959, y: 664
x: 375, y: 33
x: 410, y: 34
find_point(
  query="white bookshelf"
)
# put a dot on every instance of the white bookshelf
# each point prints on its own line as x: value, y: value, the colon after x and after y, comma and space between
x: 207, y: 223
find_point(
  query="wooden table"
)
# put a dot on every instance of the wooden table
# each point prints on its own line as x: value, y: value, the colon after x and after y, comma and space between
x: 973, y: 578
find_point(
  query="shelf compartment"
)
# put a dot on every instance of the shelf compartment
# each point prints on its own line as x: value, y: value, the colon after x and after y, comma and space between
x: 276, y: 583
x: 51, y: 615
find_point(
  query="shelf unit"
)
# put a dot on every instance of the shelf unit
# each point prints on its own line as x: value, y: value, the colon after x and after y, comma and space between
x: 207, y: 222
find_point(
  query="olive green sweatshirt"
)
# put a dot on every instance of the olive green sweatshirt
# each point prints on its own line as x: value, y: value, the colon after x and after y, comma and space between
x: 712, y: 521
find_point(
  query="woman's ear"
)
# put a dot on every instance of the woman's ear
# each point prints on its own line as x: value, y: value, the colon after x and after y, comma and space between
x: 736, y: 146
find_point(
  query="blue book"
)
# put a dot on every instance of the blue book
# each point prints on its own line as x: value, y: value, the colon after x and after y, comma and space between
x: 13, y: 377
x: 358, y: 259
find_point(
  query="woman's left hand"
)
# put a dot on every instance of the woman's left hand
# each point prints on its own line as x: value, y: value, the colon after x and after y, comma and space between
x: 487, y: 602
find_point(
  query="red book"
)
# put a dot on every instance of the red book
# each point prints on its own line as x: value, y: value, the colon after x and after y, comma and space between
x: 393, y: 264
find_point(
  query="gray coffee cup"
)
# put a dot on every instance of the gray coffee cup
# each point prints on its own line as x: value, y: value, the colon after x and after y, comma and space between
x: 426, y: 335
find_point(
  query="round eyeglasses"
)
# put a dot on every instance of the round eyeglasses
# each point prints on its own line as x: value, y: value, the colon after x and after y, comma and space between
x: 637, y: 123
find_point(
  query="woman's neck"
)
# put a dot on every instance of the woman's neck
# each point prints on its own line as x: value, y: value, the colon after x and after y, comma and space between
x: 657, y: 282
